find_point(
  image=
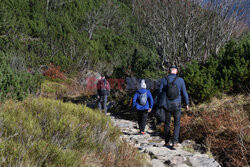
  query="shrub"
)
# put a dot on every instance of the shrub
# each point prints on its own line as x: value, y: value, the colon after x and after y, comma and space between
x: 200, y: 84
x: 222, y: 125
x: 16, y: 84
x: 227, y: 72
x: 43, y: 132
x: 234, y: 65
x: 54, y: 72
x: 60, y: 33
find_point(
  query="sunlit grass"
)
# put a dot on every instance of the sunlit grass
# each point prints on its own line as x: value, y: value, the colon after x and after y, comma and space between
x: 45, y: 132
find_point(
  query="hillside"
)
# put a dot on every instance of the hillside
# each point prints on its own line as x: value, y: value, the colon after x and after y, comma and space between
x: 116, y: 36
x: 50, y: 49
x: 44, y: 132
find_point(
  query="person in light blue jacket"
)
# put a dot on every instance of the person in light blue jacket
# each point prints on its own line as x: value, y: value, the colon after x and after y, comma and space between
x: 143, y: 103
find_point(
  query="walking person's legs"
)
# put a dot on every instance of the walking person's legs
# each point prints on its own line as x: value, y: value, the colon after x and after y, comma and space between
x: 177, y: 118
x: 167, y: 127
x: 100, y: 104
x: 139, y: 116
x: 105, y: 104
x: 144, y: 120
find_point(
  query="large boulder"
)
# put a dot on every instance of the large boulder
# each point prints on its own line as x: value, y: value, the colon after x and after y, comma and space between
x: 87, y: 81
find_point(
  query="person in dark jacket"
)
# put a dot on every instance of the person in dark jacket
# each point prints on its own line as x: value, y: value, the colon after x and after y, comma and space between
x: 142, y: 109
x: 173, y: 107
x: 103, y: 90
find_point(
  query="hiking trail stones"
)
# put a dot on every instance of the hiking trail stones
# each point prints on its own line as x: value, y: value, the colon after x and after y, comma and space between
x: 162, y: 156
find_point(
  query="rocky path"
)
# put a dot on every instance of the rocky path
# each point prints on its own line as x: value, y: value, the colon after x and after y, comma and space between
x: 182, y: 156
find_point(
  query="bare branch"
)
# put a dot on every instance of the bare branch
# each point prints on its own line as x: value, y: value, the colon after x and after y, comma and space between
x: 189, y: 30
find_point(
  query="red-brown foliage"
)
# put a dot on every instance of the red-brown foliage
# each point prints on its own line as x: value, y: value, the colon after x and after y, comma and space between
x: 223, y: 126
x: 54, y: 72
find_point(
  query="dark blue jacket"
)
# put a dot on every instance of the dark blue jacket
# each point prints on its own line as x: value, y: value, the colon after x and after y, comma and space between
x: 180, y: 84
x: 149, y: 103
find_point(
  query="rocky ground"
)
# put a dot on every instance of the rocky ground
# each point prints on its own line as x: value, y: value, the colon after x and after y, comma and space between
x: 186, y: 154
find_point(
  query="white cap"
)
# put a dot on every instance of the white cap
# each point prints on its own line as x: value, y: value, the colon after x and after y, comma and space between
x: 143, y: 84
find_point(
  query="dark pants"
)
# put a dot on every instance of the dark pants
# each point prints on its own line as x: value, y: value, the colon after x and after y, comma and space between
x: 142, y: 119
x: 102, y: 103
x: 175, y: 110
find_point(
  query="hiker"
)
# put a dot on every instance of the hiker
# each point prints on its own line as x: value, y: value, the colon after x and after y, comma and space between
x: 143, y: 103
x: 103, y: 91
x: 171, y: 89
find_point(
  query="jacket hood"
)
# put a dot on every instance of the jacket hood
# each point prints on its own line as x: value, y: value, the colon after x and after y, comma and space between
x: 142, y: 90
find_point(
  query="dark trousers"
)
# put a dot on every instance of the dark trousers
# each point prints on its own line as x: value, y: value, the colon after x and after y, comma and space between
x: 142, y: 119
x: 175, y: 110
x: 102, y: 103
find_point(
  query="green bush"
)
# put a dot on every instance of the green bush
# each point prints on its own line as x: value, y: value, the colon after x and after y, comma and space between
x: 58, y: 33
x: 44, y: 132
x: 227, y: 72
x: 234, y: 67
x: 200, y: 84
x: 16, y: 83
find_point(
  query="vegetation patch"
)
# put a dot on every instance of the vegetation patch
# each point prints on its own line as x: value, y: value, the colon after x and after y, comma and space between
x: 223, y: 126
x: 53, y: 89
x: 227, y: 72
x: 16, y: 82
x: 44, y: 132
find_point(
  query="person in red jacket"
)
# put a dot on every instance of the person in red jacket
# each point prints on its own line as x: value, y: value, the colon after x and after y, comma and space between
x: 103, y: 91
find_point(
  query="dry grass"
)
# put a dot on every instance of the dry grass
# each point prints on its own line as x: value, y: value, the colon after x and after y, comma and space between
x: 125, y: 156
x: 57, y: 88
x: 223, y: 125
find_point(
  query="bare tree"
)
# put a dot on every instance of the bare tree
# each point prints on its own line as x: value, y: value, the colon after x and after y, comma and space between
x: 109, y: 13
x: 104, y: 16
x: 226, y: 16
x: 189, y: 30
x: 92, y: 21
x: 54, y: 4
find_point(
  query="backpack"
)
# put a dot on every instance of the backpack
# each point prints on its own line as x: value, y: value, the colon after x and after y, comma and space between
x: 143, y: 99
x: 103, y: 87
x: 172, y: 90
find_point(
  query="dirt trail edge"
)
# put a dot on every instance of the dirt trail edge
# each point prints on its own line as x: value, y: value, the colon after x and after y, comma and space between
x: 161, y: 156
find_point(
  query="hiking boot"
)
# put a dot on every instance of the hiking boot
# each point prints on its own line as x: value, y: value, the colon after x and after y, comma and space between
x: 142, y: 133
x: 167, y: 144
x: 175, y: 145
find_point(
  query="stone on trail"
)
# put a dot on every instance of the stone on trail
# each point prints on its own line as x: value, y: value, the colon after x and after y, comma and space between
x: 162, y: 156
x: 181, y: 165
x: 157, y: 163
x: 203, y: 162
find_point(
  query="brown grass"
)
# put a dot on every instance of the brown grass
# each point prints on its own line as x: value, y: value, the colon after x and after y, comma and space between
x: 124, y: 156
x: 223, y: 126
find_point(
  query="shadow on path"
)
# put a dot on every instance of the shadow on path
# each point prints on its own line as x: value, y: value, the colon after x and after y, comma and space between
x: 116, y: 109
